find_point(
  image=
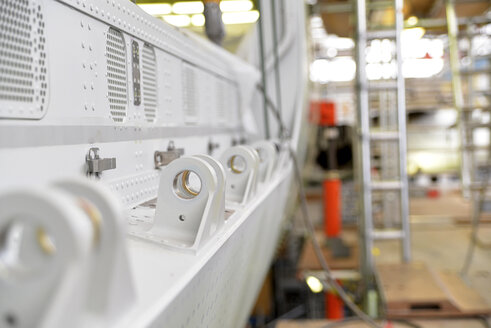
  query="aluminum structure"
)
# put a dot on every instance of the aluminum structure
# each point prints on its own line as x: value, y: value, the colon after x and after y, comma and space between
x: 470, y: 99
x: 471, y: 77
x: 367, y: 137
x: 126, y: 199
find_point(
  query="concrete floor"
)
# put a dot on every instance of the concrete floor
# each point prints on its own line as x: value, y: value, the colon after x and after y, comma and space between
x: 456, y: 323
x: 440, y: 237
x: 443, y: 244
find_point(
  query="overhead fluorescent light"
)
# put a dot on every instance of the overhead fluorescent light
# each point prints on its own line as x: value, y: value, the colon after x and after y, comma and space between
x: 240, y: 17
x: 156, y: 9
x: 236, y: 5
x: 414, y: 33
x: 178, y: 20
x: 188, y: 7
x: 198, y: 20
x: 411, y: 21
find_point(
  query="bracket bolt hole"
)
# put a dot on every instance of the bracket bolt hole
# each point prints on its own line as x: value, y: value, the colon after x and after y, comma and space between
x: 187, y: 184
x: 237, y: 164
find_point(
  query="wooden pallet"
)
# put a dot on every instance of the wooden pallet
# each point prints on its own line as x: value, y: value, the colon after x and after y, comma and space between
x: 415, y: 290
x: 423, y: 323
x: 308, y: 259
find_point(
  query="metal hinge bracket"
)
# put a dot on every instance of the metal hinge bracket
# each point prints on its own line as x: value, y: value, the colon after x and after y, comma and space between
x: 163, y: 158
x: 96, y: 165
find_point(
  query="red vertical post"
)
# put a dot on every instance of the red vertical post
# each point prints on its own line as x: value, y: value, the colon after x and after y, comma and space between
x: 332, y: 207
x: 334, y: 306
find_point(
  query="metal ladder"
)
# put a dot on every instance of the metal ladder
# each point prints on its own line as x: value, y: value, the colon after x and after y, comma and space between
x: 467, y: 106
x: 366, y: 138
x: 475, y: 182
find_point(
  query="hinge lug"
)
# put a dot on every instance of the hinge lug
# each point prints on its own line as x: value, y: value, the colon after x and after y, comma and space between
x: 96, y: 165
x: 163, y: 158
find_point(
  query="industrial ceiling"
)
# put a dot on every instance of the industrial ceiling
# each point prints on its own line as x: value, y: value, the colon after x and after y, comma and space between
x: 338, y: 19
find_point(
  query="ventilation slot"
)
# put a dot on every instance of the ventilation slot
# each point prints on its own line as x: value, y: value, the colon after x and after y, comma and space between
x: 189, y: 94
x: 116, y: 75
x: 222, y: 96
x: 23, y: 80
x: 149, y: 83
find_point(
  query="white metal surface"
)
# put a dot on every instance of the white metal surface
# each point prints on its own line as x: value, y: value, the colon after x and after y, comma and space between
x: 189, y: 92
x: 32, y: 285
x: 242, y: 164
x: 184, y: 218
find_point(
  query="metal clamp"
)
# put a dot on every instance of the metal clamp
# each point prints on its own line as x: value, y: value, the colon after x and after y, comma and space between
x: 96, y: 165
x: 163, y: 158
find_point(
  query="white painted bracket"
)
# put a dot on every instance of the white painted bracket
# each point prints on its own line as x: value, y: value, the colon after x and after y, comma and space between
x: 268, y: 157
x: 242, y: 167
x: 219, y: 207
x: 45, y: 244
x: 190, y: 207
x: 283, y: 154
x: 111, y: 291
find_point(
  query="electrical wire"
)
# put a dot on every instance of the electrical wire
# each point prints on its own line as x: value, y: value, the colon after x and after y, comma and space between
x: 360, y: 315
x: 485, y: 321
x: 284, y: 133
x: 303, y: 199
x: 263, y: 67
x: 310, y: 226
x: 342, y: 322
x: 292, y: 314
x: 349, y: 320
x: 276, y: 60
x: 318, y: 250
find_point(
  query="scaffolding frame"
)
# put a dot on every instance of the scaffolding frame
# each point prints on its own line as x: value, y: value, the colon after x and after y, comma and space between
x: 465, y: 106
x: 366, y: 136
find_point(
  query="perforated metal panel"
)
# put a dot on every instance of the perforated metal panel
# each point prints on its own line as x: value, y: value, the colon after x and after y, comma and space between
x: 213, y: 288
x: 221, y: 91
x: 222, y: 290
x: 116, y: 75
x: 189, y: 93
x: 23, y: 71
x: 149, y: 69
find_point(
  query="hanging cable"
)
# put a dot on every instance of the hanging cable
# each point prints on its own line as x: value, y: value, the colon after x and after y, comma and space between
x: 263, y: 67
x: 318, y: 250
x: 284, y: 133
x: 360, y: 315
x: 276, y: 62
x: 311, y: 230
x: 340, y: 323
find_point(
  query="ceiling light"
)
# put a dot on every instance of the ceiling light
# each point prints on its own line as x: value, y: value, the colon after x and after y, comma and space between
x: 236, y: 5
x: 414, y: 33
x: 314, y: 284
x: 156, y: 9
x: 411, y: 21
x: 240, y: 18
x: 188, y: 7
x: 198, y: 20
x: 177, y: 20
